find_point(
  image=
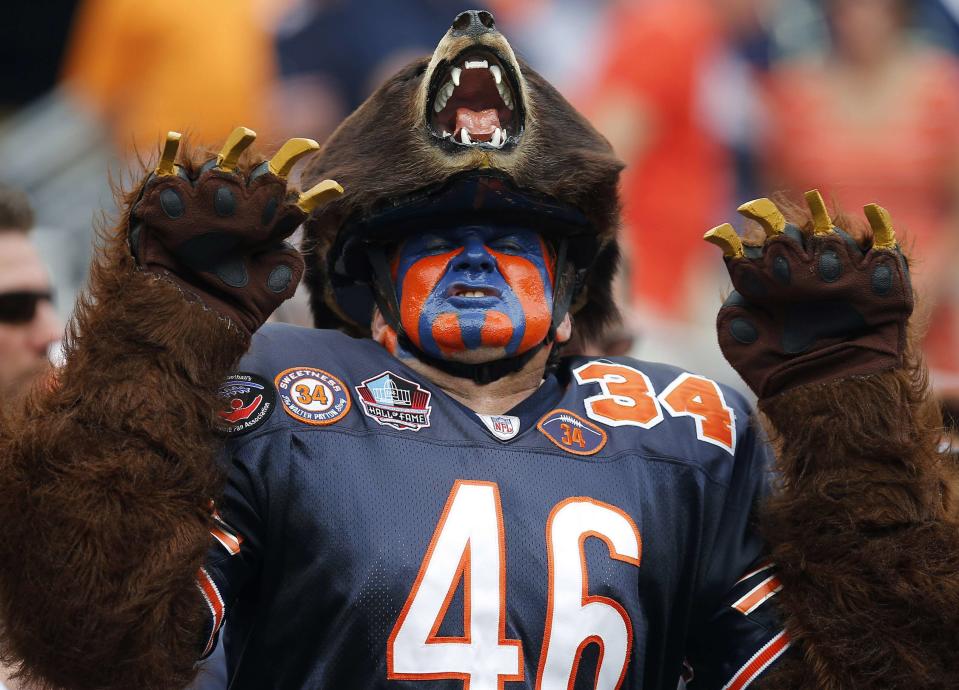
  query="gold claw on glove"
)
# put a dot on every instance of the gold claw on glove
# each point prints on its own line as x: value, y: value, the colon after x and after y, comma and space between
x: 821, y: 222
x: 883, y: 235
x: 766, y: 213
x: 725, y: 237
x: 166, y: 166
x: 238, y: 141
x: 319, y: 195
x: 293, y: 150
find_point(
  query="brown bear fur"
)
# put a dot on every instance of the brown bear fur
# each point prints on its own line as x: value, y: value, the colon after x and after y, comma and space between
x: 383, y: 151
x: 107, y: 472
x: 864, y: 532
x: 864, y: 528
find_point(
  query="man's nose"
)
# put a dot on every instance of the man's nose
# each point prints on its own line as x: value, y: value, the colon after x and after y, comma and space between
x: 475, y: 257
x: 45, y: 329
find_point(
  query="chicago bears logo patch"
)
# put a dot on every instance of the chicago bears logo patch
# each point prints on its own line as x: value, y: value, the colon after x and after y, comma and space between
x: 394, y: 401
x: 572, y: 433
x: 247, y: 402
x: 312, y: 396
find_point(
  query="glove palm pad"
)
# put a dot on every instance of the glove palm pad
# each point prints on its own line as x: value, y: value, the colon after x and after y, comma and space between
x: 810, y: 308
x: 222, y: 235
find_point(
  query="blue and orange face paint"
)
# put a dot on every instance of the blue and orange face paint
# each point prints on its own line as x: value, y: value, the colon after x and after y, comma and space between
x: 438, y: 273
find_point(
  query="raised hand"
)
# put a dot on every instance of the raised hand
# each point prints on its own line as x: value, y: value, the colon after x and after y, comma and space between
x: 220, y: 235
x: 810, y: 307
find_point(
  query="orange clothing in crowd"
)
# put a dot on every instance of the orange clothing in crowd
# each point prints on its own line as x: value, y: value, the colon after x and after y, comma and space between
x: 904, y: 155
x: 677, y: 179
x: 895, y: 143
x: 148, y: 67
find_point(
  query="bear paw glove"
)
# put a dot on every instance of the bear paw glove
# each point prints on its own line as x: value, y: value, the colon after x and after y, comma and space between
x: 221, y: 236
x: 811, y: 308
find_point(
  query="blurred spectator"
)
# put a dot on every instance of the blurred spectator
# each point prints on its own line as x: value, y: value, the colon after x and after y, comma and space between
x: 149, y: 67
x: 28, y: 324
x: 32, y: 37
x: 877, y: 119
x: 334, y: 53
x: 672, y: 96
x: 938, y: 20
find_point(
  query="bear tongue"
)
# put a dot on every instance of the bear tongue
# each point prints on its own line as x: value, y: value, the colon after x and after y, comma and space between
x: 480, y: 124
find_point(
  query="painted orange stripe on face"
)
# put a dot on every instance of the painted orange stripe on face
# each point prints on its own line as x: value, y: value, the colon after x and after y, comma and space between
x: 418, y: 285
x: 548, y: 259
x: 497, y: 329
x: 527, y: 284
x: 447, y: 333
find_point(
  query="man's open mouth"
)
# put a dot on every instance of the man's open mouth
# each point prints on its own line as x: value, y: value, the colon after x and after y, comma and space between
x: 472, y: 291
x: 474, y: 101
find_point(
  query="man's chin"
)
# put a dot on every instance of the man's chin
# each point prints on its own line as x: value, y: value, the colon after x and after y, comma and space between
x: 480, y: 355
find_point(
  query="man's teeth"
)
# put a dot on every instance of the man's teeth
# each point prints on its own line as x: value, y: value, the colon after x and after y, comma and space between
x: 471, y: 293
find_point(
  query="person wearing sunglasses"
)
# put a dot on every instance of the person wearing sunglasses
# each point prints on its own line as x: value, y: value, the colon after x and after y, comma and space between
x: 29, y: 325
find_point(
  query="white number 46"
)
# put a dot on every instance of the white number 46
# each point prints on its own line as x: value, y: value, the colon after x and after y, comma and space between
x: 470, y: 533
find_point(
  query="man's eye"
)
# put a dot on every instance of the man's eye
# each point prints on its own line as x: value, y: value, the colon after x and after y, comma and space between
x: 507, y: 245
x: 437, y: 245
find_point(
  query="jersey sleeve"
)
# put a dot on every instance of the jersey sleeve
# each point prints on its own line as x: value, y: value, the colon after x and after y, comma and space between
x: 738, y: 633
x: 238, y: 529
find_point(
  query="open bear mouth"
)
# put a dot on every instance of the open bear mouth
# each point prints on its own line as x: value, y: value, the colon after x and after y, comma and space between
x: 474, y: 101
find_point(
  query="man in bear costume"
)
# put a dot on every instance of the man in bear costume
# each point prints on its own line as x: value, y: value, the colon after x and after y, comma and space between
x: 429, y: 494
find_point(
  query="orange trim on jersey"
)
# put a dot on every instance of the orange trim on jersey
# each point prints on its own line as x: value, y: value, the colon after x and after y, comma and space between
x: 228, y: 541
x: 758, y: 594
x: 586, y: 598
x: 462, y: 573
x: 215, y: 603
x: 592, y: 639
x: 503, y: 641
x: 759, y: 662
x: 756, y: 571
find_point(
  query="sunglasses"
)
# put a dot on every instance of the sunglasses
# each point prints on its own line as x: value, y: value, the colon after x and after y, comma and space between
x: 21, y: 307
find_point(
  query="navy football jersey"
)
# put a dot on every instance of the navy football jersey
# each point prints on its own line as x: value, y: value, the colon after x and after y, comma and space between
x: 375, y: 533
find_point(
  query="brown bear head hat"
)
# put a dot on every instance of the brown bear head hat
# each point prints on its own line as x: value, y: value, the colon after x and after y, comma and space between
x: 473, y: 133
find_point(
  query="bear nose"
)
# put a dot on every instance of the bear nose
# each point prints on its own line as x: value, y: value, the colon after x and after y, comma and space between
x: 473, y: 23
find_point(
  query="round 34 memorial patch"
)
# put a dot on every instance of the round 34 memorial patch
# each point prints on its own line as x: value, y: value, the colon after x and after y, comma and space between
x: 248, y: 401
x: 312, y: 396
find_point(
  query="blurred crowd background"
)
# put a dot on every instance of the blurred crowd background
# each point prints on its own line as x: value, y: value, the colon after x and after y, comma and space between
x: 710, y: 102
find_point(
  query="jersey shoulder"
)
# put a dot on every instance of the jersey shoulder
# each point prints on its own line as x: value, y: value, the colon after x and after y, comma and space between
x: 663, y: 410
x: 303, y: 371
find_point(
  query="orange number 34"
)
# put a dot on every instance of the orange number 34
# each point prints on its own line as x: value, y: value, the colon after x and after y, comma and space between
x: 627, y: 398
